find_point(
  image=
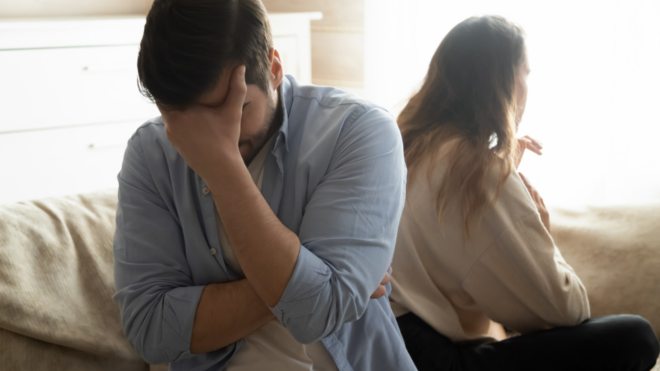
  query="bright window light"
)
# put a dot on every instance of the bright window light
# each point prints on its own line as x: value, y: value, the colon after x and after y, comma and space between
x: 594, y: 90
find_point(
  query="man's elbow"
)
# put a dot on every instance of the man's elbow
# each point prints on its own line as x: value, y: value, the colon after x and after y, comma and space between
x: 325, y: 320
x: 150, y: 355
x: 313, y: 326
x: 152, y: 351
x: 155, y: 357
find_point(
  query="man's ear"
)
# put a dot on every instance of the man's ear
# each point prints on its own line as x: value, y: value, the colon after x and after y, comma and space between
x: 276, y: 70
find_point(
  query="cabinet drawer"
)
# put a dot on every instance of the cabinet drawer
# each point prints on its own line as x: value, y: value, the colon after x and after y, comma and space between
x: 62, y: 161
x: 45, y: 88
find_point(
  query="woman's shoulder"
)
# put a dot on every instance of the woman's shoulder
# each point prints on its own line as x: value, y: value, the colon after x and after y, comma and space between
x: 509, y: 199
x: 430, y: 168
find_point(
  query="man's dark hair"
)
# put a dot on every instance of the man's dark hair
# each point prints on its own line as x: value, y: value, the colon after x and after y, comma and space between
x: 187, y: 44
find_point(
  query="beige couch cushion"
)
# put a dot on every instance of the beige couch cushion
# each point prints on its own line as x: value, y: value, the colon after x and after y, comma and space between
x: 56, y: 285
x: 22, y: 353
x: 616, y: 252
x: 56, y: 277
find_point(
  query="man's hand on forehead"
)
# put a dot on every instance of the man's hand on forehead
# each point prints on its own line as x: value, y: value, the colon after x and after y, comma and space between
x: 205, y: 136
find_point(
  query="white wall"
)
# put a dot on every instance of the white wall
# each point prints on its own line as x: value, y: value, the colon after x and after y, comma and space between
x: 337, y: 40
x: 594, y: 96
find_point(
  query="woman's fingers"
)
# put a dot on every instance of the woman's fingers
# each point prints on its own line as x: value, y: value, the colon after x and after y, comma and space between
x: 535, y: 149
x: 531, y: 144
x: 538, y: 200
x: 536, y: 196
x: 527, y: 183
x: 536, y: 142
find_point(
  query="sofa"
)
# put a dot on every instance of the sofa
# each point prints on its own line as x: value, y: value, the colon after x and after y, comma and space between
x: 56, y: 277
x: 56, y: 284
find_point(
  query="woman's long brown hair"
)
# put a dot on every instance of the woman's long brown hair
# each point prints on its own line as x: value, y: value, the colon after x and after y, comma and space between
x: 468, y: 97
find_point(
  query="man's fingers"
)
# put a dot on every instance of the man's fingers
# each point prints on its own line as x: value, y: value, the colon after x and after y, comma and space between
x: 169, y: 116
x: 381, y: 290
x: 172, y: 121
x: 237, y: 90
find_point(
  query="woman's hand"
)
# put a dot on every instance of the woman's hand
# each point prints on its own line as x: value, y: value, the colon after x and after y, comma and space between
x: 529, y: 143
x: 538, y: 200
x: 496, y: 331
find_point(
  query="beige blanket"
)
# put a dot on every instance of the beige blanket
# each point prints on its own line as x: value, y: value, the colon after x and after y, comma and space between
x: 56, y: 284
x: 616, y: 252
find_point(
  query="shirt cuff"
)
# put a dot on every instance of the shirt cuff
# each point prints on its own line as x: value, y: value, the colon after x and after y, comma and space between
x: 310, y: 275
x: 180, y: 307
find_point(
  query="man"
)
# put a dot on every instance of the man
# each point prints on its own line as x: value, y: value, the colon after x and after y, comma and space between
x: 257, y: 216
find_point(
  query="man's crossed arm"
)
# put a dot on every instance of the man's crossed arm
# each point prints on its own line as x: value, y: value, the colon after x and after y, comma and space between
x: 218, y: 324
x: 266, y: 249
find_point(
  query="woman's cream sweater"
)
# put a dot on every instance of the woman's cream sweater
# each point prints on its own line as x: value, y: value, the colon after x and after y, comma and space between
x: 508, y: 270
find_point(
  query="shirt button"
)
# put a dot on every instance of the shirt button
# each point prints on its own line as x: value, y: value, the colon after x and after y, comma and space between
x: 213, y: 251
x: 205, y: 190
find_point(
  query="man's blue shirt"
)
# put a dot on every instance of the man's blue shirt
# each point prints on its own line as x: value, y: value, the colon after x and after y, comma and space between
x: 335, y: 176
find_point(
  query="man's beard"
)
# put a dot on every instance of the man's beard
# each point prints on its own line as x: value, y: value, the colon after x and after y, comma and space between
x: 272, y: 123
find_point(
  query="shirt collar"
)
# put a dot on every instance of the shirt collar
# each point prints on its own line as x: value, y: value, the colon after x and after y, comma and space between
x: 286, y: 91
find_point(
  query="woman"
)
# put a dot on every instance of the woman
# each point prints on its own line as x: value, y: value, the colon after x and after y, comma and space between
x: 474, y: 248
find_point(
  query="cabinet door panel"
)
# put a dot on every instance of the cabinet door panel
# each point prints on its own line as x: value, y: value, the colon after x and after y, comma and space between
x: 45, y: 88
x: 61, y: 161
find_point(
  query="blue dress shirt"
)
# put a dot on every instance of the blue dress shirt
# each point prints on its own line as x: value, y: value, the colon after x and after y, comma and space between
x: 335, y: 176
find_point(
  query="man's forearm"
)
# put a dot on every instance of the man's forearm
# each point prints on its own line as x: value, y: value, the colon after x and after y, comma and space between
x: 265, y: 248
x: 226, y: 313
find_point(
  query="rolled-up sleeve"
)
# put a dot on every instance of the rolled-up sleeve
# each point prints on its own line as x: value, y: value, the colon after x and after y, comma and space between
x: 155, y: 292
x: 348, y: 229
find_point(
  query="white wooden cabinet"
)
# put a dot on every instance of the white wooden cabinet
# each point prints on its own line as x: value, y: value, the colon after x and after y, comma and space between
x: 69, y: 99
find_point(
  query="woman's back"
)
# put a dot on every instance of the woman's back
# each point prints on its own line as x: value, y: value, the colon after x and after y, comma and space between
x: 507, y: 269
x: 474, y: 246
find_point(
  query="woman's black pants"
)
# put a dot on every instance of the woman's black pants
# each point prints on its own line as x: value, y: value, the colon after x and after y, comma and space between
x: 621, y: 343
